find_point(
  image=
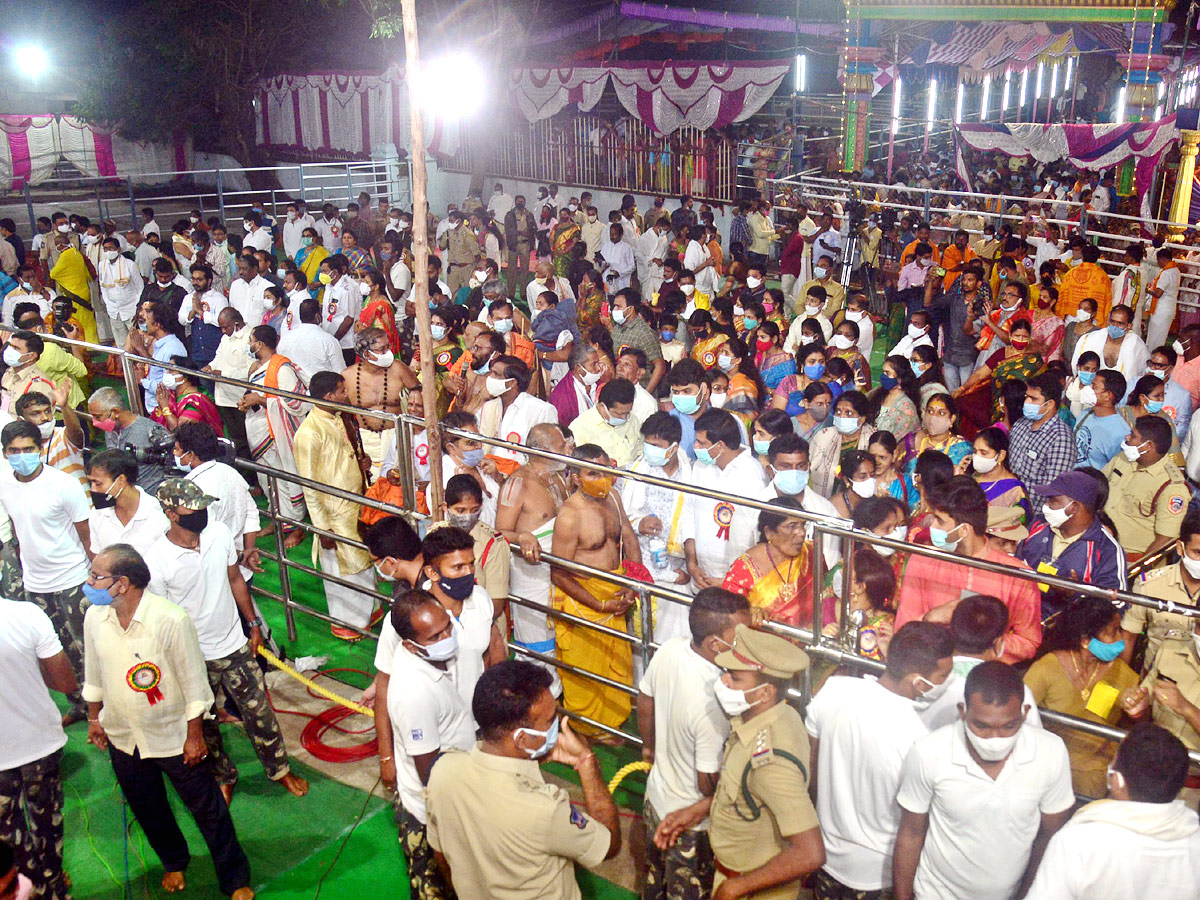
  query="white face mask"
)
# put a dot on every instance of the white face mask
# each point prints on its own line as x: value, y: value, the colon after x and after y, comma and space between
x: 865, y: 488
x: 753, y: 282
x: 496, y: 386
x: 899, y: 533
x: 916, y: 333
x: 1191, y: 565
x: 841, y: 342
x: 983, y: 464
x: 1087, y: 396
x: 46, y: 429
x: 364, y: 288
x: 12, y: 357
x: 739, y: 310
x: 1056, y: 518
x: 590, y: 378
x: 688, y: 289
x: 733, y: 701
x: 812, y: 311
x: 717, y: 399
x: 1133, y: 454
x: 384, y: 359
x: 992, y: 749
x: 932, y: 692
x: 820, y: 271
x: 855, y: 315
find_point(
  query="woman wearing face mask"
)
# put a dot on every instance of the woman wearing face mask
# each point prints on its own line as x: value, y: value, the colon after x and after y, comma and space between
x: 892, y: 482
x: 770, y: 358
x: 564, y: 236
x: 989, y: 465
x: 180, y: 400
x: 980, y: 396
x: 309, y: 257
x: 745, y: 383
x: 771, y: 424
x: 939, y: 431
x: 857, y: 482
x: 808, y: 368
x: 1087, y: 366
x: 1081, y: 323
x: 773, y: 304
x: 1049, y: 329
x: 775, y: 575
x: 926, y: 365
x: 814, y: 414
x: 845, y: 346
x: 1085, y: 677
x: 465, y: 456
x: 746, y: 319
x: 872, y: 603
x: 276, y: 306
x: 830, y: 446
x: 894, y: 403
x: 378, y: 311
x: 1147, y: 398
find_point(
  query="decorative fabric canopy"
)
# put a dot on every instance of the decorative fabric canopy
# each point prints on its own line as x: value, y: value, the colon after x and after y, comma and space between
x: 344, y: 111
x: 1092, y: 147
x: 981, y: 48
x: 669, y: 95
x: 542, y: 93
x: 29, y: 148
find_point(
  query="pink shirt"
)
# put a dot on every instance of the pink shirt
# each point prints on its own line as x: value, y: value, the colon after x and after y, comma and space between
x: 911, y: 275
x: 1187, y: 374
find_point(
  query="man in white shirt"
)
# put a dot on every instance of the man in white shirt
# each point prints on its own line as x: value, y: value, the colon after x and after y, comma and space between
x: 1162, y: 297
x: 981, y: 797
x: 144, y: 253
x: 342, y: 303
x: 329, y: 227
x: 722, y: 464
x: 917, y: 335
x: 399, y: 276
x: 293, y: 230
x: 683, y: 731
x: 499, y: 203
x: 632, y: 365
x: 122, y: 512
x: 29, y: 289
x: 246, y: 291
x: 147, y: 692
x: 1143, y: 841
x: 699, y: 261
x: 149, y: 226
x: 428, y: 718
x: 546, y: 280
x: 31, y: 662
x: 616, y: 260
x: 508, y: 380
x: 49, y: 512
x: 120, y: 288
x: 232, y: 360
x: 194, y: 564
x: 592, y: 233
x: 309, y: 346
x: 861, y: 730
x: 651, y: 251
x: 256, y: 236
x: 977, y: 628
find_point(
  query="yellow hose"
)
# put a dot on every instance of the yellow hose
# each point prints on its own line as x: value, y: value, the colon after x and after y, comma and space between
x: 624, y: 771
x: 313, y: 686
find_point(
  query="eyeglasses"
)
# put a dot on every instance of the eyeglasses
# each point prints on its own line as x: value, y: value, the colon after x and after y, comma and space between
x: 97, y: 576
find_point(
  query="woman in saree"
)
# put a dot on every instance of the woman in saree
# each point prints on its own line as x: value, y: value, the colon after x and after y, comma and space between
x: 180, y: 400
x: 939, y: 431
x: 855, y: 483
x: 563, y: 237
x: 894, y: 404
x: 775, y: 575
x: 1048, y: 326
x: 378, y: 311
x: 980, y: 397
x: 814, y: 415
x: 889, y: 480
x: 309, y: 258
x: 745, y: 383
x: 772, y: 360
x: 771, y: 424
x: 275, y: 301
x: 809, y: 368
x: 272, y: 420
x: 927, y: 366
x: 844, y: 345
x: 989, y: 466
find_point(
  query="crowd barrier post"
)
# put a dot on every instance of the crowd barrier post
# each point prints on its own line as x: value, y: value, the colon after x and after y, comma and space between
x: 285, y: 578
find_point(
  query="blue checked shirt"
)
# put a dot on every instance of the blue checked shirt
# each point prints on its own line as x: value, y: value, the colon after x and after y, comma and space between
x: 1039, y: 456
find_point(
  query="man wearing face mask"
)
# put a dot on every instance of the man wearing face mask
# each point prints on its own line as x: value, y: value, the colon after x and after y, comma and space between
x: 1117, y: 346
x: 966, y: 832
x: 592, y: 232
x: 21, y: 355
x: 375, y: 382
x: 684, y: 731
x: 1147, y: 494
x: 918, y: 335
x: 860, y: 731
x: 122, y: 512
x: 501, y: 317
x: 465, y: 456
x: 62, y: 447
x: 650, y: 251
x: 520, y: 235
x: 1179, y: 584
x: 920, y: 263
x: 497, y: 788
x: 932, y: 588
x: 512, y: 411
x: 610, y: 423
x: 763, y: 828
x: 194, y: 564
x: 723, y: 463
x: 689, y: 393
x: 1101, y: 430
x: 201, y: 311
x: 813, y: 307
x: 120, y: 287
x: 1068, y: 540
x: 1041, y: 445
x: 823, y: 276
x: 463, y: 501
x: 977, y: 631
x: 428, y: 718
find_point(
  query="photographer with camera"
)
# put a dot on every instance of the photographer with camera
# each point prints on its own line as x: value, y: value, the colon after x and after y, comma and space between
x: 150, y: 443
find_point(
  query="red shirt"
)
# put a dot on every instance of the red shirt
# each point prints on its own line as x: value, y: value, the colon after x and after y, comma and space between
x: 793, y: 256
x: 930, y: 583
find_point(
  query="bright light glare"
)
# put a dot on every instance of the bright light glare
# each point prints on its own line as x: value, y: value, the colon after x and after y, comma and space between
x: 1037, y: 93
x: 896, y: 107
x: 1007, y: 88
x: 452, y: 86
x: 1120, y: 117
x: 1054, y: 80
x: 1024, y: 86
x: 1070, y: 69
x: 31, y: 60
x: 932, y: 107
x: 983, y: 99
x: 958, y: 104
x: 801, y: 72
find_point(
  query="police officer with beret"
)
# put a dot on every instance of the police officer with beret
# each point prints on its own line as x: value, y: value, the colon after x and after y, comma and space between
x: 764, y: 830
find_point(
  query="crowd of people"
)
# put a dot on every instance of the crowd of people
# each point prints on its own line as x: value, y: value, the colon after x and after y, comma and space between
x: 994, y: 395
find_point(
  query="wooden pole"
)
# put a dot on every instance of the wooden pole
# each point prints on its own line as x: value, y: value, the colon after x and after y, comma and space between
x: 420, y: 245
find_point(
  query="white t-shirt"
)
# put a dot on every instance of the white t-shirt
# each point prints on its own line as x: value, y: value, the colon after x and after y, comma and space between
x: 312, y: 349
x: 865, y: 732
x: 689, y: 726
x: 259, y: 240
x: 1168, y: 283
x: 32, y: 724
x: 44, y: 513
x: 148, y: 524
x: 234, y: 507
x: 981, y: 831
x: 944, y: 710
x: 198, y: 580
x: 427, y: 715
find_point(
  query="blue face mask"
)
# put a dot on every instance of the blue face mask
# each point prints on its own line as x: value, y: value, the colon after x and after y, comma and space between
x: 761, y: 447
x: 1105, y: 652
x: 916, y: 368
x: 437, y: 332
x: 845, y: 424
x: 1116, y: 332
x: 940, y: 538
x: 791, y: 482
x: 750, y: 323
x: 1032, y: 411
x: 655, y: 456
x: 814, y: 371
x: 1085, y: 378
x: 98, y: 596
x: 702, y: 455
x: 550, y: 738
x: 687, y: 404
x: 503, y: 326
x: 25, y: 463
x: 667, y: 336
x: 887, y: 382
x: 472, y: 458
x: 1154, y: 406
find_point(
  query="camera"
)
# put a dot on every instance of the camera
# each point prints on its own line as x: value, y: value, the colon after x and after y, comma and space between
x: 856, y: 212
x: 160, y: 454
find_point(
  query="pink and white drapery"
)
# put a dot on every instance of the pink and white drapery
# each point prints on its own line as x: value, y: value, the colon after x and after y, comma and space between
x: 28, y: 150
x: 1092, y: 147
x: 345, y: 111
x: 100, y: 153
x: 542, y: 93
x: 667, y: 96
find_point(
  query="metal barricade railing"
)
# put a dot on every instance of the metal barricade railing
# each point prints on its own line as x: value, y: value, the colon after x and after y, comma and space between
x: 837, y: 649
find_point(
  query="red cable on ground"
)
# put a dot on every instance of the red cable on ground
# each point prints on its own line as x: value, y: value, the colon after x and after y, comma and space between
x: 326, y: 720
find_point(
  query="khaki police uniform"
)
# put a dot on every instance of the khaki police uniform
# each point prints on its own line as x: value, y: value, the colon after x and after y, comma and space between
x: 506, y: 834
x: 1143, y: 502
x: 762, y: 796
x: 1160, y: 584
x: 1178, y: 660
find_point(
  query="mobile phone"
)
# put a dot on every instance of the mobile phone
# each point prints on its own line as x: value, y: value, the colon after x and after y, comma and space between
x: 939, y: 271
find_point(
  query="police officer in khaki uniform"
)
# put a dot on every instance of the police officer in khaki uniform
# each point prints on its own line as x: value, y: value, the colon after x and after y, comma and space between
x: 462, y: 251
x: 1147, y: 494
x: 764, y: 830
x: 503, y: 832
x: 1178, y: 584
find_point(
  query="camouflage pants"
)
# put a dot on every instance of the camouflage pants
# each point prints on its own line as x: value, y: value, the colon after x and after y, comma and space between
x: 31, y: 821
x: 829, y: 888
x: 65, y: 609
x: 685, y: 872
x: 242, y: 681
x: 424, y: 877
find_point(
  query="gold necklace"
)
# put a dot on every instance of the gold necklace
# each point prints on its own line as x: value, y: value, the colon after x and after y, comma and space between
x: 1086, y: 691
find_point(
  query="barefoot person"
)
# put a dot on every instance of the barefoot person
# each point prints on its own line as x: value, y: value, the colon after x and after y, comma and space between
x: 525, y: 516
x: 592, y: 529
x: 375, y: 382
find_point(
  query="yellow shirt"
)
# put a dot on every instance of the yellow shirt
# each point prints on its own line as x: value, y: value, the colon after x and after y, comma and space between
x: 623, y: 443
x: 323, y: 453
x: 58, y: 364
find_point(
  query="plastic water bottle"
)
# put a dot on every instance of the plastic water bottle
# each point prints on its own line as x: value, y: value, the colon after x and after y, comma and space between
x: 658, y: 553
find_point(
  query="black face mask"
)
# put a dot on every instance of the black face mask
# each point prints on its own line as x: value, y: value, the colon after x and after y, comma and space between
x: 195, y: 521
x: 101, y: 500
